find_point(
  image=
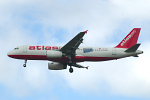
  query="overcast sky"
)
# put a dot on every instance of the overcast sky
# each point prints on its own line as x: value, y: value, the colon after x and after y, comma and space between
x: 55, y: 22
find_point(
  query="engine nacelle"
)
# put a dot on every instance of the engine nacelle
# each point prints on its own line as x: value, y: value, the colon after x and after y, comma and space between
x: 54, y: 54
x: 56, y: 66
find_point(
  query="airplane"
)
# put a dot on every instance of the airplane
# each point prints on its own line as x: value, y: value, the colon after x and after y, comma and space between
x: 70, y: 54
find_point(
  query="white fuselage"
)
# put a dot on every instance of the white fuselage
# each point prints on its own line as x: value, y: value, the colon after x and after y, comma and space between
x: 70, y: 54
x: 82, y: 54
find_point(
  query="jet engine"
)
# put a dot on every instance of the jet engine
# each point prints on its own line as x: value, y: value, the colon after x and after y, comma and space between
x: 54, y: 54
x: 56, y: 66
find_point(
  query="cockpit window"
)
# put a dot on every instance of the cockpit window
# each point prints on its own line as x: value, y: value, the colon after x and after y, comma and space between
x: 16, y: 48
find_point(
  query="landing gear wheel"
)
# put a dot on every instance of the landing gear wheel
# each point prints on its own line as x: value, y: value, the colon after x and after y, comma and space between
x: 71, y: 70
x: 24, y: 65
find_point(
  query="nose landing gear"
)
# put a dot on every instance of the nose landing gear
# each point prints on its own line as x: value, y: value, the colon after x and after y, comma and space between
x: 24, y: 65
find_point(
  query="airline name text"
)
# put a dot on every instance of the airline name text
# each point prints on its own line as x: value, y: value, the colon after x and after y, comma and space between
x: 44, y: 48
x: 127, y: 38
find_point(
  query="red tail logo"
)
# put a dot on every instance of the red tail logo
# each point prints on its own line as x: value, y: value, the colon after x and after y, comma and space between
x: 130, y: 39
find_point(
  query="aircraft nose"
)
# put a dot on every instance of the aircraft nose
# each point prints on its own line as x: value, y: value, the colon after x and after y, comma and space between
x: 9, y: 53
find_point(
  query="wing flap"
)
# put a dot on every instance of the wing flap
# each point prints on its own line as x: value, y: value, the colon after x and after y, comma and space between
x: 80, y: 66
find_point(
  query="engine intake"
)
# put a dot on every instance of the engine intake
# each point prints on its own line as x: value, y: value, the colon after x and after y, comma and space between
x: 56, y: 66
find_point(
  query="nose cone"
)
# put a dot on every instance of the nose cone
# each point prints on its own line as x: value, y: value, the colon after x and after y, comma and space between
x: 12, y: 54
x: 9, y: 54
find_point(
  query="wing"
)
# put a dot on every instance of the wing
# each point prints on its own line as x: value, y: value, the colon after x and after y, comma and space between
x: 70, y: 48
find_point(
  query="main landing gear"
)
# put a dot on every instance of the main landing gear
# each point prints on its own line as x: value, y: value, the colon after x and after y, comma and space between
x: 24, y: 65
x: 71, y: 70
x: 78, y: 66
x: 70, y: 64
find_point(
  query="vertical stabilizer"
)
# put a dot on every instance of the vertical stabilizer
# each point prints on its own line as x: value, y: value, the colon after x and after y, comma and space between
x: 130, y: 39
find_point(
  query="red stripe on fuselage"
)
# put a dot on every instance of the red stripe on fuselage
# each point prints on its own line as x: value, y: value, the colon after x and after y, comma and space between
x: 64, y: 59
x: 29, y: 57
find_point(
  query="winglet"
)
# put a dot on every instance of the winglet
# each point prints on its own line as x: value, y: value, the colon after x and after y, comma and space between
x: 87, y: 67
x: 86, y: 31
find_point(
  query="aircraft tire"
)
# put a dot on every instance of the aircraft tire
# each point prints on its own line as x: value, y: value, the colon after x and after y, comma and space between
x: 24, y: 65
x: 71, y: 70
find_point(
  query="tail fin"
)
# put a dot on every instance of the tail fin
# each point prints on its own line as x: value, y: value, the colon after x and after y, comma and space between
x: 130, y: 39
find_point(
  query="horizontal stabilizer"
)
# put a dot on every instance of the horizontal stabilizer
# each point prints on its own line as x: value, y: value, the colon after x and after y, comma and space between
x: 133, y: 48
